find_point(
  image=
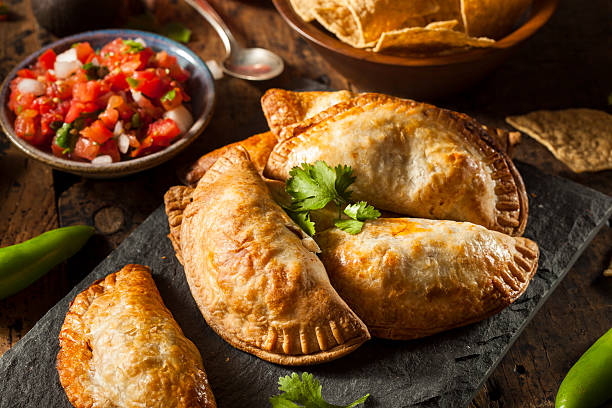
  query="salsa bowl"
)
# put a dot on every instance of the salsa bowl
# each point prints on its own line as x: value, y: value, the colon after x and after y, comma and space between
x: 200, y: 86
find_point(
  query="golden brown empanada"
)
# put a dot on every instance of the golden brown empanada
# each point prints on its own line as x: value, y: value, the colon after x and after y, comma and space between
x: 258, y: 146
x: 254, y: 273
x: 283, y: 108
x: 121, y: 347
x: 410, y: 278
x: 411, y: 158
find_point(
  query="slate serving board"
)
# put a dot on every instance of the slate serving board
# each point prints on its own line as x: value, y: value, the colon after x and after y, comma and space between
x: 440, y: 371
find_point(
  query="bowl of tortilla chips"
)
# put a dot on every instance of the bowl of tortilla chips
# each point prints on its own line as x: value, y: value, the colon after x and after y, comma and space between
x: 423, y: 49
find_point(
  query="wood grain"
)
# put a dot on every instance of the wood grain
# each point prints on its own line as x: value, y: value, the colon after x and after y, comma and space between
x: 546, y: 73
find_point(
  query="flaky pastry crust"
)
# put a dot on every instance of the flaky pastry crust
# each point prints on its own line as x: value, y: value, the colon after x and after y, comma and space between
x: 254, y: 273
x: 410, y: 278
x: 121, y: 347
x: 411, y: 158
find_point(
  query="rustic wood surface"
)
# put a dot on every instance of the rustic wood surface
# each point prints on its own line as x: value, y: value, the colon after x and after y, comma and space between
x: 565, y: 65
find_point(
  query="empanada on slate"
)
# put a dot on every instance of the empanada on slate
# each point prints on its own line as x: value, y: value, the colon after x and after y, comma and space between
x: 254, y: 273
x: 410, y: 278
x: 283, y: 108
x: 121, y: 347
x: 411, y: 158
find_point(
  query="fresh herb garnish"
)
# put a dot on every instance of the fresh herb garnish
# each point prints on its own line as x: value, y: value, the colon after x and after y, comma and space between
x: 94, y: 72
x: 135, y: 121
x: 84, y: 117
x: 147, y: 22
x: 176, y: 31
x: 19, y: 109
x: 66, y: 138
x: 313, y: 186
x: 132, y: 82
x: 133, y: 46
x: 169, y: 96
x: 304, y: 393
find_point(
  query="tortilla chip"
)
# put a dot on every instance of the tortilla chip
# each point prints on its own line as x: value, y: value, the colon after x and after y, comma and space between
x: 492, y: 18
x: 430, y: 39
x: 360, y: 23
x: 580, y: 138
x: 304, y: 9
x: 283, y: 108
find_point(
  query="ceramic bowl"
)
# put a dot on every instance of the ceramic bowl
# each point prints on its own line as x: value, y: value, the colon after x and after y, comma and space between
x: 200, y: 86
x: 425, y: 78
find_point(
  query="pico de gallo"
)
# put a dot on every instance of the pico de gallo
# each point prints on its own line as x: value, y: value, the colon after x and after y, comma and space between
x: 120, y: 102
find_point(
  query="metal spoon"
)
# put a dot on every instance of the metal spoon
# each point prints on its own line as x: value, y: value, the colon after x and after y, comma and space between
x: 253, y: 64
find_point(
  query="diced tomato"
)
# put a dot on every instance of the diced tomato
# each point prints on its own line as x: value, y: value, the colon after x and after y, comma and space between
x: 86, y: 92
x: 116, y: 80
x: 76, y: 108
x: 42, y: 104
x: 163, y: 60
x: 46, y: 120
x: 110, y: 148
x: 149, y: 84
x: 83, y: 50
x: 163, y: 132
x: 144, y: 147
x: 114, y: 47
x: 109, y: 117
x: 26, y: 73
x: 86, y: 149
x: 97, y: 132
x: 47, y: 59
x: 19, y: 102
x: 172, y: 99
x: 59, y: 89
x: 27, y: 127
x: 56, y: 149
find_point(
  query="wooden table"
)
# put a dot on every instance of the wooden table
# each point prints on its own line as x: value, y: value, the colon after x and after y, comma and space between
x: 565, y: 65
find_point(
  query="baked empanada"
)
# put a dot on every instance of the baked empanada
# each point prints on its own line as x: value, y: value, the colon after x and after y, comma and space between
x: 410, y: 278
x: 254, y: 273
x: 411, y: 158
x: 258, y: 146
x: 121, y: 347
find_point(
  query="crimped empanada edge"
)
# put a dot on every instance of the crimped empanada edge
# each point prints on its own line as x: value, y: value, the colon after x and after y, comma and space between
x: 402, y: 333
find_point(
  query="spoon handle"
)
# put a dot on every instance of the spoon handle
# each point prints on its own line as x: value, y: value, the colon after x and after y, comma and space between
x: 209, y: 13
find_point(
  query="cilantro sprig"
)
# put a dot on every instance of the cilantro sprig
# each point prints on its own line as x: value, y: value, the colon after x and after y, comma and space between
x: 304, y: 393
x: 313, y: 186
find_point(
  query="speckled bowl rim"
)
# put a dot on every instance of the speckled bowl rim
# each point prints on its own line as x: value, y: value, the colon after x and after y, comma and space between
x: 122, y: 168
x: 540, y: 13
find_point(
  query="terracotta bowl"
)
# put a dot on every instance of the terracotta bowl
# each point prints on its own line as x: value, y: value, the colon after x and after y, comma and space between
x: 414, y: 77
x: 200, y: 86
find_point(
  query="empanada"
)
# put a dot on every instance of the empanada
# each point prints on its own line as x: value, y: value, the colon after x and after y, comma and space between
x: 254, y: 273
x: 258, y: 146
x: 121, y: 347
x: 411, y: 158
x: 410, y: 278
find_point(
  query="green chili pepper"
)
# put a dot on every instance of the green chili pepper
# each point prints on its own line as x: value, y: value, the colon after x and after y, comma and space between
x: 588, y: 384
x: 23, y: 264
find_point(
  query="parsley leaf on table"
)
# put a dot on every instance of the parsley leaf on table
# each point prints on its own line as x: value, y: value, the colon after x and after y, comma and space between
x: 361, y: 211
x: 304, y: 393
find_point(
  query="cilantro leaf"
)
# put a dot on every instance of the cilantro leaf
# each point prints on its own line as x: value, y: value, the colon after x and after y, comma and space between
x: 361, y: 211
x: 169, y: 96
x: 351, y: 226
x: 304, y: 393
x: 303, y: 220
x: 94, y: 72
x: 176, y: 31
x: 132, y: 82
x: 344, y: 178
x: 312, y: 187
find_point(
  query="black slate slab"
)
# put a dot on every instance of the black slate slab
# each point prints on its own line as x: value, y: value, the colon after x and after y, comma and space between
x: 440, y: 371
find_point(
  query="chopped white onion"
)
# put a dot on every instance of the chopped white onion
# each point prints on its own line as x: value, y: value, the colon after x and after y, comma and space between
x: 104, y: 159
x: 68, y: 55
x: 140, y: 41
x: 123, y: 143
x: 63, y: 69
x: 118, y: 128
x: 95, y: 62
x: 215, y: 69
x: 181, y: 116
x: 32, y: 86
x: 137, y: 96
